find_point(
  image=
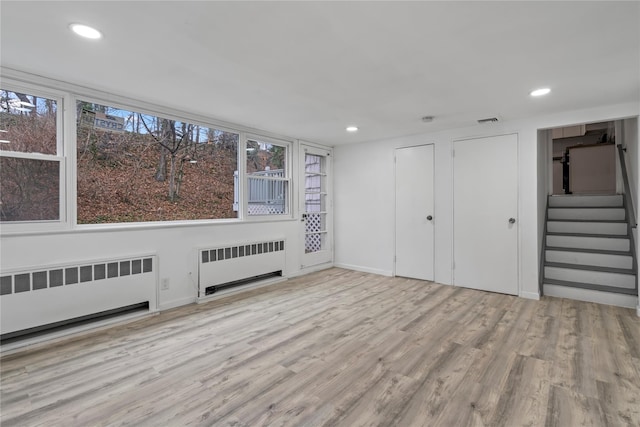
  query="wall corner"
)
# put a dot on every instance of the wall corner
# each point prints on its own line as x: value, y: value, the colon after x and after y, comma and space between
x: 529, y: 295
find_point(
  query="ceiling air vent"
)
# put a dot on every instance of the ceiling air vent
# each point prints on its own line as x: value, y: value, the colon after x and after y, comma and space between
x: 489, y: 120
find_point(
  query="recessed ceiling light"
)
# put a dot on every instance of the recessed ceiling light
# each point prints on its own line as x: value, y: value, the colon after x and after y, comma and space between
x: 352, y: 128
x: 85, y: 31
x: 540, y: 92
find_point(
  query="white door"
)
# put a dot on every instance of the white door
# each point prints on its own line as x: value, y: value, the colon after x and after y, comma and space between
x: 414, y: 212
x: 485, y: 212
x: 315, y: 206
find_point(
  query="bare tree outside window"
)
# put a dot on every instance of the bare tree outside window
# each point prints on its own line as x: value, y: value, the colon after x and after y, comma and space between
x: 29, y: 189
x: 29, y: 158
x: 134, y: 167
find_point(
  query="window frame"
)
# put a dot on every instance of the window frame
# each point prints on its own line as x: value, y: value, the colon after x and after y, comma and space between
x: 61, y: 98
x: 138, y: 109
x: 66, y: 95
x: 287, y: 178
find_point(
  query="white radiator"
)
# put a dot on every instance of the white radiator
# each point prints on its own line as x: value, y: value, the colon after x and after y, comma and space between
x: 220, y: 266
x: 40, y: 296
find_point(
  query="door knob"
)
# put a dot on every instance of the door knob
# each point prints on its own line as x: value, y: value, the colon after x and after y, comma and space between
x: 429, y: 218
x: 512, y: 220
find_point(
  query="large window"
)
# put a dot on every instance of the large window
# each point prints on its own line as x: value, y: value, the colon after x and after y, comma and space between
x: 135, y: 167
x: 127, y: 164
x: 267, y: 177
x: 31, y: 159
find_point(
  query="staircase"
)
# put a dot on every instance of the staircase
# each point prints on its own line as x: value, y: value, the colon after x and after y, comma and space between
x: 589, y: 253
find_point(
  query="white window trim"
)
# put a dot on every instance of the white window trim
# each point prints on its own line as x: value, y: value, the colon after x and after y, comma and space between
x: 151, y: 112
x: 66, y: 94
x: 61, y: 99
x: 32, y: 156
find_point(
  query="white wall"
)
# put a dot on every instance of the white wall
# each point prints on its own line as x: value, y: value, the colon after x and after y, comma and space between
x: 364, y: 194
x: 630, y: 141
x: 630, y: 132
x: 174, y: 246
x: 364, y: 191
x: 545, y: 152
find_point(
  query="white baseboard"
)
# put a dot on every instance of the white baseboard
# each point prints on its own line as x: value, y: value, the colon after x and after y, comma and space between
x: 388, y: 273
x: 177, y: 303
x: 240, y: 289
x: 53, y: 337
x: 530, y: 295
x: 312, y: 269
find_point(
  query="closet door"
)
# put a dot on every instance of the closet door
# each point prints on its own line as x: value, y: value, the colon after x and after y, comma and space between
x: 485, y: 211
x: 414, y: 212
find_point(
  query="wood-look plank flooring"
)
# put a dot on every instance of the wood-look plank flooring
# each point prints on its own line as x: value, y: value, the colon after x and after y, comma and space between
x: 340, y: 348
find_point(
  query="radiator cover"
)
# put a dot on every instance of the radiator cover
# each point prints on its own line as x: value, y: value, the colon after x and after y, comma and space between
x: 219, y: 265
x: 39, y: 296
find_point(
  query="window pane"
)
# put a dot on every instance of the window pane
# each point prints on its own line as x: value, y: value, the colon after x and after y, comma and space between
x: 267, y: 189
x: 29, y: 189
x: 27, y: 123
x: 266, y: 159
x: 267, y: 196
x: 135, y: 167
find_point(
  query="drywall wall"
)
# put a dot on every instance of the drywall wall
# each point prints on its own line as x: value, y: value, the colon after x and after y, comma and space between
x: 593, y: 169
x: 630, y: 142
x: 544, y: 155
x: 364, y: 194
x: 175, y: 247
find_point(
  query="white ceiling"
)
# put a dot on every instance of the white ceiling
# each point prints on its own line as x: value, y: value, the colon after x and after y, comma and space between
x: 308, y: 69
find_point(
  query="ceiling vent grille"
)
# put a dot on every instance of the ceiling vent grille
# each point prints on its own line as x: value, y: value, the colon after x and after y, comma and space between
x: 489, y: 120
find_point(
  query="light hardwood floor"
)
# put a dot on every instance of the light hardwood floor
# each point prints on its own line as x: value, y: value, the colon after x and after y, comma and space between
x: 341, y: 348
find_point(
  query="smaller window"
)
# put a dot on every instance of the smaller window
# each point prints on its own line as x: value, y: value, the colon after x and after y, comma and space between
x: 28, y: 123
x: 267, y: 178
x: 30, y: 158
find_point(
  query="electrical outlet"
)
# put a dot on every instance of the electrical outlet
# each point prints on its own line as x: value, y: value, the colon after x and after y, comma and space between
x: 164, y: 284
